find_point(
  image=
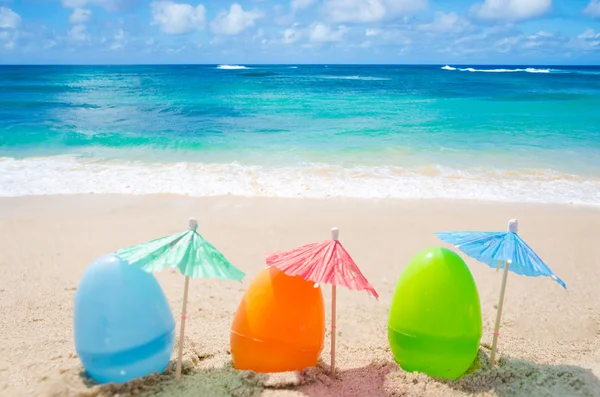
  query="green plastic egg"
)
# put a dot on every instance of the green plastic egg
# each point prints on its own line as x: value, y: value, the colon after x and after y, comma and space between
x: 435, y: 317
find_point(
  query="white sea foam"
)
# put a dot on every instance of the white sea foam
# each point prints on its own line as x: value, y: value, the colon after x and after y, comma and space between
x: 364, y: 78
x: 231, y: 67
x: 70, y: 175
x: 528, y: 70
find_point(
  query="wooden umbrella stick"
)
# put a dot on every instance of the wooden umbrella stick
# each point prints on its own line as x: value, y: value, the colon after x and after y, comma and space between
x: 335, y: 235
x: 499, y: 313
x: 182, y: 331
x: 333, y: 303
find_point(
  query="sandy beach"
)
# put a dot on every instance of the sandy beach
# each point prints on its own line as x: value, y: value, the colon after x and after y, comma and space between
x: 550, y: 338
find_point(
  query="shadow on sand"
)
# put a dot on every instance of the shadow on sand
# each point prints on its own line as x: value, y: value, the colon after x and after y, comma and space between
x: 510, y: 378
x: 222, y: 381
x: 521, y: 378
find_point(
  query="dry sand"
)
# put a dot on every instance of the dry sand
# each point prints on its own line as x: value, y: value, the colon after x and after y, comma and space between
x: 550, y: 338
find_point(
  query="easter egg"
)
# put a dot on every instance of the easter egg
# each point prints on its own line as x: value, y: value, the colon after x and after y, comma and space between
x: 279, y: 325
x: 123, y: 325
x: 434, y: 323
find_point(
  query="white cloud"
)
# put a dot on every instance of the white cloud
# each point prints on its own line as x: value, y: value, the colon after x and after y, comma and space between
x: 78, y: 33
x: 110, y: 5
x: 235, y: 21
x: 321, y: 33
x: 175, y: 18
x: 296, y: 5
x: 588, y: 40
x: 593, y: 9
x: 8, y: 38
x: 120, y: 40
x: 589, y: 34
x: 506, y: 44
x: 9, y: 19
x: 446, y: 23
x: 372, y: 32
x: 80, y: 15
x: 291, y: 35
x: 540, y: 35
x: 364, y: 11
x: 511, y: 10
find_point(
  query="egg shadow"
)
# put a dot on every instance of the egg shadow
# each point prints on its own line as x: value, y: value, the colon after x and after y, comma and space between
x: 362, y: 381
x: 522, y: 378
x: 214, y: 381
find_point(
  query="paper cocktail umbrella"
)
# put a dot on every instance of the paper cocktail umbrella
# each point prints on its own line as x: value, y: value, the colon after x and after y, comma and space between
x: 191, y: 254
x: 501, y: 249
x: 326, y: 262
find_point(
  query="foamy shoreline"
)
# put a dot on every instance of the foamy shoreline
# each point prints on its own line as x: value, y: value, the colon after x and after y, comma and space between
x: 549, y: 342
x: 69, y: 175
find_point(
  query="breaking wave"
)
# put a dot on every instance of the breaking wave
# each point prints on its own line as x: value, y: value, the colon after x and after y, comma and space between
x: 73, y: 175
x: 231, y: 67
x: 528, y: 70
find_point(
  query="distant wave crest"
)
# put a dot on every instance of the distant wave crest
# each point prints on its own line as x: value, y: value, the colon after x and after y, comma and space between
x: 528, y: 70
x: 231, y: 67
x: 363, y: 78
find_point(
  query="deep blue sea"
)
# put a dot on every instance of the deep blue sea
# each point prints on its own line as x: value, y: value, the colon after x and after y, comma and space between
x: 506, y: 133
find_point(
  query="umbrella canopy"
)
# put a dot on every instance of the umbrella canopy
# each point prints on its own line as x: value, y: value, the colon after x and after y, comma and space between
x: 501, y: 249
x: 494, y: 248
x: 188, y: 251
x: 191, y: 254
x: 326, y: 262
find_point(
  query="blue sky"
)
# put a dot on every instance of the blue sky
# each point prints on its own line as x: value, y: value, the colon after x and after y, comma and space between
x: 300, y: 31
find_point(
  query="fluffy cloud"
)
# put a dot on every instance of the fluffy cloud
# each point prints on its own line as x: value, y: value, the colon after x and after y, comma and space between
x: 175, y: 18
x: 364, y: 11
x: 511, y: 10
x: 235, y: 21
x: 78, y: 34
x: 291, y: 35
x: 110, y: 5
x: 119, y: 40
x: 296, y: 5
x: 80, y: 15
x: 8, y: 39
x: 593, y: 9
x: 589, y: 40
x: 321, y: 33
x: 372, y: 32
x: 446, y: 23
x: 9, y: 19
x: 589, y: 34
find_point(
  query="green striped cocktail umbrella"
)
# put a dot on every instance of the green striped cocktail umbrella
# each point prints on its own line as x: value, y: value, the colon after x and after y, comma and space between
x: 191, y: 254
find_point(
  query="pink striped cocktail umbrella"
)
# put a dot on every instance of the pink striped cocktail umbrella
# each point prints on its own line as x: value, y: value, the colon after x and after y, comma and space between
x: 326, y: 262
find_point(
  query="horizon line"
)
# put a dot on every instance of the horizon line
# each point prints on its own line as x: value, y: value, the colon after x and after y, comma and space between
x: 293, y: 64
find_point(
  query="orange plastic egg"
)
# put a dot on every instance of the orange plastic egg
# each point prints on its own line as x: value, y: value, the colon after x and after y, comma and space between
x: 279, y: 325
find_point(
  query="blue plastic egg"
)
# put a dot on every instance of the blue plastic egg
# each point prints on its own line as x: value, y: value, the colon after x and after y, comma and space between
x: 123, y: 325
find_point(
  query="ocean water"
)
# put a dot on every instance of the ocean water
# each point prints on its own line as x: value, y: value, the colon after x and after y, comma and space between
x: 505, y: 133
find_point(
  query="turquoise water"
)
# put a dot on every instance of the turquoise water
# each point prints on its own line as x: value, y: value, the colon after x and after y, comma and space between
x: 483, y: 132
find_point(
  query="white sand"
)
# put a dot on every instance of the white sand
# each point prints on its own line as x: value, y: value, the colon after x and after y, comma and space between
x: 550, y: 338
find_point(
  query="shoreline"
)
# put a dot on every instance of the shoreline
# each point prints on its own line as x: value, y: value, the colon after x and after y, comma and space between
x: 51, y: 176
x: 551, y: 334
x: 376, y: 200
